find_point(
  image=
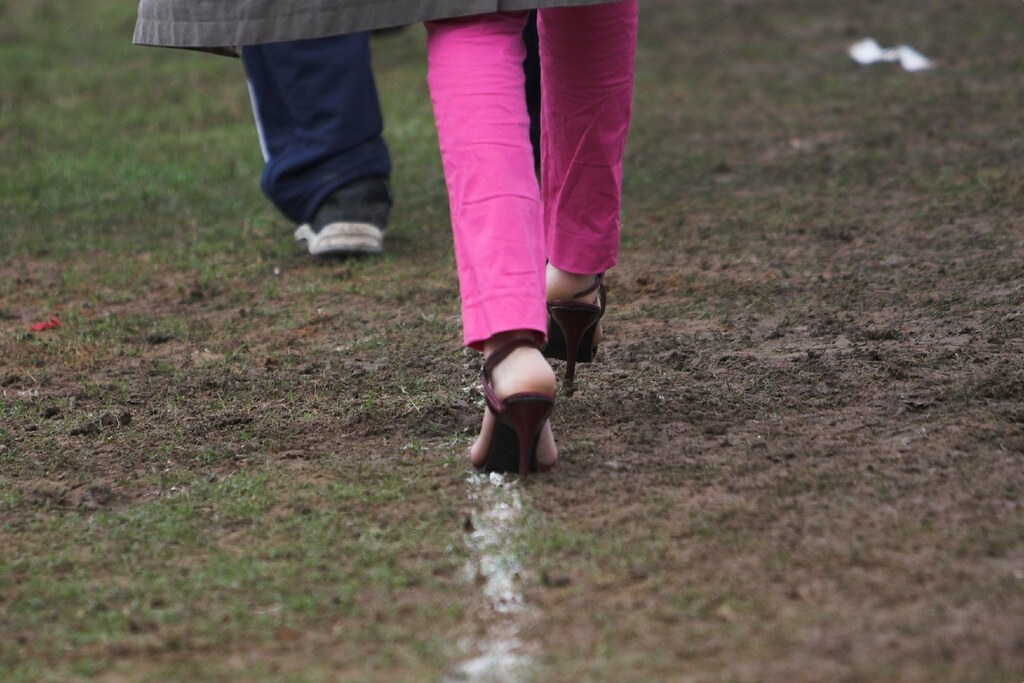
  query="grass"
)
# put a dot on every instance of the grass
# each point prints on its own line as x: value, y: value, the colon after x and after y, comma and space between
x: 798, y: 459
x: 226, y: 564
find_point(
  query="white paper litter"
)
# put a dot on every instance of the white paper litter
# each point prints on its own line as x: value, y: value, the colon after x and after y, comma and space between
x: 868, y: 51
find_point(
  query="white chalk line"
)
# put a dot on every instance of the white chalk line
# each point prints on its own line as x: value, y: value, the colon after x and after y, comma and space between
x: 499, y: 654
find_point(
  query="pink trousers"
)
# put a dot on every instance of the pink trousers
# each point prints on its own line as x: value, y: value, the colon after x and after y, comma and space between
x: 505, y: 225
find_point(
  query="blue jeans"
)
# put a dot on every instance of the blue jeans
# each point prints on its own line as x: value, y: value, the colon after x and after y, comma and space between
x: 319, y: 119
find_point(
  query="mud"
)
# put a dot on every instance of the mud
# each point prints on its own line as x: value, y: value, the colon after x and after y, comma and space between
x: 800, y: 453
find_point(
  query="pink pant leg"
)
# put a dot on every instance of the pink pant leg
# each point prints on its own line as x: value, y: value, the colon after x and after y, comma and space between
x: 587, y: 57
x: 475, y: 74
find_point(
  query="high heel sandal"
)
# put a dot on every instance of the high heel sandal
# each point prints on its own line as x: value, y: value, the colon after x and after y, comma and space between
x: 519, y: 420
x: 571, y: 328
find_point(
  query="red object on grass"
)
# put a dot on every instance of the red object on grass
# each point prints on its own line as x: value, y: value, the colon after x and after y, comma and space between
x: 39, y: 327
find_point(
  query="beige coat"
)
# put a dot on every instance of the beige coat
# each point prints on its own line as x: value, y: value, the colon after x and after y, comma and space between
x: 218, y: 24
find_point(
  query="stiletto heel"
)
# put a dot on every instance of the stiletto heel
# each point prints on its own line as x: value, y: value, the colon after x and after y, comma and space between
x: 527, y: 417
x: 571, y: 328
x: 574, y: 323
x: 519, y: 420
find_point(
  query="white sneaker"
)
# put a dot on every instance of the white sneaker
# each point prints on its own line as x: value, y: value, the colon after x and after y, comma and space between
x: 350, y: 221
x: 341, y: 238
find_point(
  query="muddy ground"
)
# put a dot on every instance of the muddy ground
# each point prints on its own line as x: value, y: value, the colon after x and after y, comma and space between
x: 799, y: 456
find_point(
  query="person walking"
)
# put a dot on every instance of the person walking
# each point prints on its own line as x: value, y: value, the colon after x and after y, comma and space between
x: 321, y: 132
x: 530, y: 258
x: 320, y: 128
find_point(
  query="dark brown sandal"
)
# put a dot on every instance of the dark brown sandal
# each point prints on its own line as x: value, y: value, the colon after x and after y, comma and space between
x: 519, y: 420
x: 571, y: 329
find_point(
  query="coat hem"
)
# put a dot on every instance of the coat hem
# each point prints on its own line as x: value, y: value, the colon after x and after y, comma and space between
x: 225, y: 35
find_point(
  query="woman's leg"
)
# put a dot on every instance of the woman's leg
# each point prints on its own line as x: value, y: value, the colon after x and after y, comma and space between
x: 587, y: 58
x: 475, y: 74
x: 477, y: 89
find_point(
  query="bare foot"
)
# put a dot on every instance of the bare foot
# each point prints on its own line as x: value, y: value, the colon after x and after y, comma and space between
x: 524, y: 370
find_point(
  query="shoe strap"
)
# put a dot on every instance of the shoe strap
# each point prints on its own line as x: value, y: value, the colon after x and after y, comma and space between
x: 493, y: 402
x: 598, y: 286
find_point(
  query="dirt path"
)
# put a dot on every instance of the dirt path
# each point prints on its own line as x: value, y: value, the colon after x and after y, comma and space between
x: 798, y: 458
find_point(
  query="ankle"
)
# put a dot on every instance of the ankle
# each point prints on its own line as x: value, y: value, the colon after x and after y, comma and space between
x: 562, y: 285
x: 503, y: 339
x: 525, y: 369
